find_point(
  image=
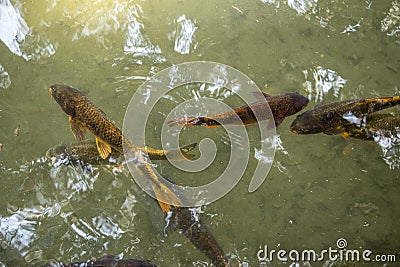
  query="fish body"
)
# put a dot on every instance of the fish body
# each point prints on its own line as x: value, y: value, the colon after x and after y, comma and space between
x: 81, y: 151
x: 189, y: 221
x: 111, y: 261
x: 86, y: 151
x: 333, y: 117
x: 281, y: 106
x: 375, y: 125
x: 84, y: 116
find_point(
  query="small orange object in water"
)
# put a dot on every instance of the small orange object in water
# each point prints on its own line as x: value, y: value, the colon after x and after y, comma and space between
x: 16, y: 131
x: 1, y: 146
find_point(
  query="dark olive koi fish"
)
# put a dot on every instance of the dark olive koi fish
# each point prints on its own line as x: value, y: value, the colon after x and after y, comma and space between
x: 84, y: 116
x: 332, y: 118
x: 111, y: 261
x: 86, y: 151
x: 375, y: 125
x: 189, y: 221
x: 282, y: 106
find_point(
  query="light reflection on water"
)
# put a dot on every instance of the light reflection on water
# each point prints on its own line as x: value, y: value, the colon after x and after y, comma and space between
x: 65, y: 213
x: 391, y: 23
x: 390, y: 148
x: 13, y: 27
x: 325, y: 80
x: 183, y: 35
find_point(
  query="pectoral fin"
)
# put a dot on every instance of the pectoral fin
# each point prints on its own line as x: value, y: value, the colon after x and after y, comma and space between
x: 335, y: 131
x: 345, y: 135
x: 103, y: 148
x: 78, y: 129
x: 279, y: 120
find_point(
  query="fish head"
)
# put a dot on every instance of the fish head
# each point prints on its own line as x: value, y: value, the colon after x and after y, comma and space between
x: 67, y: 97
x: 297, y: 103
x: 57, y: 154
x: 304, y: 124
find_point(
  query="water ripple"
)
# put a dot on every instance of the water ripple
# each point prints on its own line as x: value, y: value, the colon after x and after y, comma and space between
x: 13, y: 28
x: 5, y: 80
x: 391, y: 23
x: 390, y: 148
x: 184, y: 34
x: 303, y: 6
x: 325, y: 80
x: 137, y: 43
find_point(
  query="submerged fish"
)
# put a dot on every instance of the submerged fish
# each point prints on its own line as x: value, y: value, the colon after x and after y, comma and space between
x: 375, y: 125
x: 332, y: 118
x: 111, y: 261
x: 281, y: 106
x: 84, y: 116
x: 189, y: 221
x: 86, y: 151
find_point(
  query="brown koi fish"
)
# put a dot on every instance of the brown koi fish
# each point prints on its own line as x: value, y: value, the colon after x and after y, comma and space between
x: 332, y: 118
x: 281, y: 106
x: 84, y: 116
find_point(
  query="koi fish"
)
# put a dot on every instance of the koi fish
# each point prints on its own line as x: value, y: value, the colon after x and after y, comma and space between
x: 111, y: 261
x: 331, y: 118
x: 383, y: 125
x: 84, y: 116
x: 86, y: 151
x: 282, y: 106
x: 188, y: 221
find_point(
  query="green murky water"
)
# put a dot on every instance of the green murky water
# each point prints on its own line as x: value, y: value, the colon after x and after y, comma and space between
x: 320, y: 188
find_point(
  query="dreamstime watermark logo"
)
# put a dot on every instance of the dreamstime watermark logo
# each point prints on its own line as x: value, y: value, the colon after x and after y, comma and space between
x: 340, y: 253
x: 218, y: 76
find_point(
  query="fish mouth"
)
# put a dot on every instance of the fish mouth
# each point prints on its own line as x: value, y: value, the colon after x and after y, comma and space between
x: 295, y: 130
x: 51, y: 90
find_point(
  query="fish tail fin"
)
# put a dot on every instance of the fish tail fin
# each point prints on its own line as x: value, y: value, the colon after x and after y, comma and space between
x: 165, y: 197
x: 182, y: 153
x: 186, y: 149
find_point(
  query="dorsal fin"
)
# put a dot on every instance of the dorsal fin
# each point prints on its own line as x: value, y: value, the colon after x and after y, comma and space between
x: 260, y: 96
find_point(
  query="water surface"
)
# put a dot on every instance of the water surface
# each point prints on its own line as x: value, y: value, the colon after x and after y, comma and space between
x: 320, y: 188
